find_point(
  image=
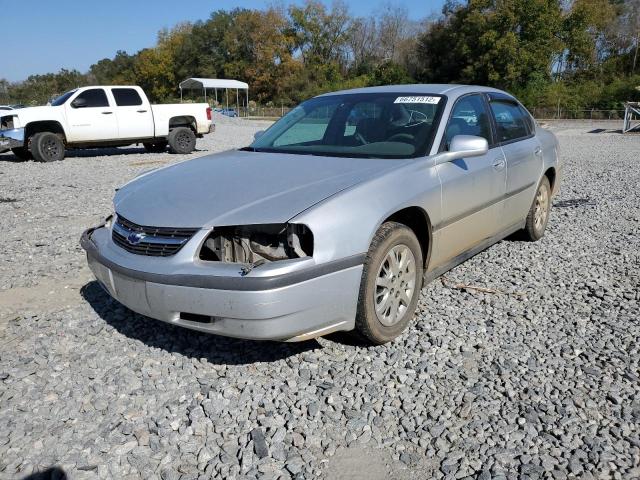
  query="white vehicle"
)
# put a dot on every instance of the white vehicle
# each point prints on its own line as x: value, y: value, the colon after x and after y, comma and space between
x: 100, y: 116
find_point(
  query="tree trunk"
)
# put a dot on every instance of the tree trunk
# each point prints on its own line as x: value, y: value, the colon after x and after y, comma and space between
x: 635, y: 55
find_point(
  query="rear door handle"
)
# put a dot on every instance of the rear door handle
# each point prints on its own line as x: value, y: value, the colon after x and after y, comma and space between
x: 538, y: 151
x: 141, y: 111
x: 498, y: 163
x: 107, y: 113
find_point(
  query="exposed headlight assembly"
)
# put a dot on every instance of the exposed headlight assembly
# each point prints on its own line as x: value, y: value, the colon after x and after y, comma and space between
x: 255, y: 243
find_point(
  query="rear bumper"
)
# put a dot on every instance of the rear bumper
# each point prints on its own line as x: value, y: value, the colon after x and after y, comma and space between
x: 202, y: 132
x: 294, y: 306
x: 12, y: 138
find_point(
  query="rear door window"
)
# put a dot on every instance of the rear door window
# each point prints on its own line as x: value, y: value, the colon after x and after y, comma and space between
x: 95, y: 97
x: 126, y: 97
x: 512, y: 122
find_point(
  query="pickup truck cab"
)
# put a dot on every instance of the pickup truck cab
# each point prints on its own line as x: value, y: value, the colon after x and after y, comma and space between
x: 100, y: 116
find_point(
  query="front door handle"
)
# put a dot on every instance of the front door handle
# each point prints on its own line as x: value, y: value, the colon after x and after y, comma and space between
x: 498, y: 163
x: 141, y: 111
x: 107, y: 113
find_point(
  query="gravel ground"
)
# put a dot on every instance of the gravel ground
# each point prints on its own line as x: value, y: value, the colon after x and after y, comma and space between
x: 535, y: 377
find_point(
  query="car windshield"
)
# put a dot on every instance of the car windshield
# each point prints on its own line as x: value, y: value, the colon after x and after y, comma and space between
x: 372, y: 125
x: 62, y: 98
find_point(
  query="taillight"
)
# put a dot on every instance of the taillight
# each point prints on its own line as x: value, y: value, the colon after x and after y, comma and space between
x: 208, y: 113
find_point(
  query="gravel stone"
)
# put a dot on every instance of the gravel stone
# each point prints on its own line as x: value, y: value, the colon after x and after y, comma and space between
x: 536, y: 380
x: 259, y: 443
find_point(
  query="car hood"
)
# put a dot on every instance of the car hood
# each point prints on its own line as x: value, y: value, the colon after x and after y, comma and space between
x: 28, y: 114
x: 240, y: 188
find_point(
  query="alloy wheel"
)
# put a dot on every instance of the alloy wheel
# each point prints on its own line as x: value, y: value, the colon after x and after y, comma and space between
x: 183, y: 140
x: 395, y: 285
x: 541, y: 209
x: 51, y: 148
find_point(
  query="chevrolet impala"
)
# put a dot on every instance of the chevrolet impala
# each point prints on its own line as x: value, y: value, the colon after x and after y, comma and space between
x: 333, y: 218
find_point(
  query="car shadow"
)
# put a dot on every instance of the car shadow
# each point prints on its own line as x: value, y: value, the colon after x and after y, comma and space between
x: 10, y: 158
x: 113, y: 151
x: 91, y: 152
x: 95, y: 152
x: 54, y: 473
x: 174, y: 339
x: 104, y: 152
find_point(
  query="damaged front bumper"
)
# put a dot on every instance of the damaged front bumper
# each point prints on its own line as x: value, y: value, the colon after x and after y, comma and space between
x: 289, y: 301
x: 11, y: 138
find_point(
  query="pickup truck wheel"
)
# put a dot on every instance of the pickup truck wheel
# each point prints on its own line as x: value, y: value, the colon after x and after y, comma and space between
x: 390, y: 285
x: 22, y: 153
x: 158, y: 147
x: 182, y: 140
x: 47, y: 147
x: 538, y: 215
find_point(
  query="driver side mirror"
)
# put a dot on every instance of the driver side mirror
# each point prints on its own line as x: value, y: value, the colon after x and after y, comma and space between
x: 257, y: 135
x: 463, y: 146
x: 79, y: 103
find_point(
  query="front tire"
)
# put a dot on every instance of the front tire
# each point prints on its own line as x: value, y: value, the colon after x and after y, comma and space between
x: 390, y: 285
x: 47, y: 147
x: 538, y: 215
x: 182, y: 140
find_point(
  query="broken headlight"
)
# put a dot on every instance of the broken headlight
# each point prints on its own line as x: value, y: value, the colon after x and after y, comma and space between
x: 253, y: 243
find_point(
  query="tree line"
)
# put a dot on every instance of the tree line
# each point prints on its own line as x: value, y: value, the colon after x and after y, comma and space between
x: 551, y: 53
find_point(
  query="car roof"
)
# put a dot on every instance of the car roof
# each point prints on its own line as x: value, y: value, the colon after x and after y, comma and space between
x: 451, y: 90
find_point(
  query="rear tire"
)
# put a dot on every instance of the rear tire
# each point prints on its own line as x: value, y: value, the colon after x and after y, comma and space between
x: 158, y: 147
x: 22, y: 153
x: 390, y: 285
x: 47, y: 147
x: 538, y: 215
x: 182, y: 140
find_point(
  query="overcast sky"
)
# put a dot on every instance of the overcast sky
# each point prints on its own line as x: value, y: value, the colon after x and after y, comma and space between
x: 41, y: 36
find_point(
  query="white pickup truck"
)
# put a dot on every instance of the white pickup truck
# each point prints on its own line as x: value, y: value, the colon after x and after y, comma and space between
x: 90, y: 117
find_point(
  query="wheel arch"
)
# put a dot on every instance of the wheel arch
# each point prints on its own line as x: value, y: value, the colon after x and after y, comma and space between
x: 39, y: 126
x: 417, y: 219
x: 550, y: 173
x: 183, y: 121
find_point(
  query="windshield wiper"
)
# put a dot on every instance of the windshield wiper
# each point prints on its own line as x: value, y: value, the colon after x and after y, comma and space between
x: 248, y: 149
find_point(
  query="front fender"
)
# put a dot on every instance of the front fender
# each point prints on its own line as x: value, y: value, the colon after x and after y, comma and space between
x: 53, y: 126
x: 344, y: 224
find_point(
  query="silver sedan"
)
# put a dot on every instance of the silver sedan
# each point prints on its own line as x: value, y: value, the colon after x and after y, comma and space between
x: 334, y: 218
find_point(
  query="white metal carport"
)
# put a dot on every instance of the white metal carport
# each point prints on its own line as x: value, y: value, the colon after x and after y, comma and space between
x: 631, y: 115
x: 216, y: 84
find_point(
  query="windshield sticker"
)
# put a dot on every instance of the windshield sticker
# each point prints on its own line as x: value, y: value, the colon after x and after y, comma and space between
x: 429, y: 100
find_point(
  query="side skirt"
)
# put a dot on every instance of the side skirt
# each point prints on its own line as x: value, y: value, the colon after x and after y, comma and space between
x: 431, y: 275
x: 125, y: 142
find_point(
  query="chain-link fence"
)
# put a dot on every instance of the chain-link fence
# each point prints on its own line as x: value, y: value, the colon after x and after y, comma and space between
x: 540, y: 113
x: 266, y: 112
x: 568, y: 114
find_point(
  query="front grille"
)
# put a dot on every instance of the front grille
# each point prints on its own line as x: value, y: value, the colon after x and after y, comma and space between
x: 151, y: 241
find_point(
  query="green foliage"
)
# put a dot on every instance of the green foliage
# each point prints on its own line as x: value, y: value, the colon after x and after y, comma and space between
x: 390, y: 73
x: 550, y: 53
x: 116, y: 71
x: 39, y: 89
x: 505, y: 43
